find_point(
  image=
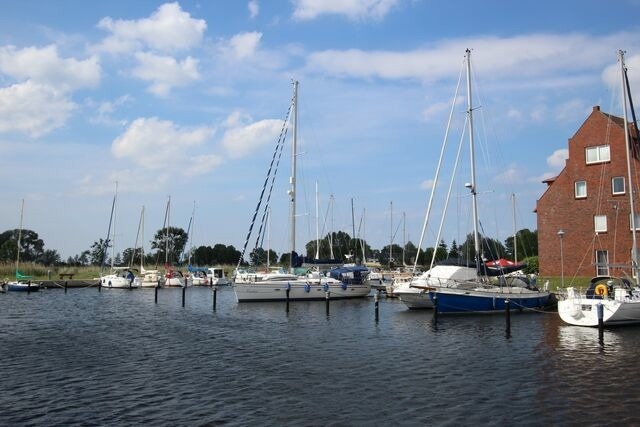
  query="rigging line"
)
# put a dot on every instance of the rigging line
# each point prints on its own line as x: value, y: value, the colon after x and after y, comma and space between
x: 283, y: 136
x: 255, y: 214
x: 105, y: 246
x: 437, y: 174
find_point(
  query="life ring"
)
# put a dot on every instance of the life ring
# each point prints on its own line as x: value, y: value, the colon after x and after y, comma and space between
x: 601, y: 290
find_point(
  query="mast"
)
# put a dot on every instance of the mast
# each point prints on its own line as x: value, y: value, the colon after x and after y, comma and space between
x: 133, y: 253
x: 142, y: 240
x: 515, y: 232
x: 391, y: 234
x: 292, y: 179
x: 317, y: 226
x: 268, y: 235
x: 166, y: 232
x: 634, y: 249
x: 472, y: 186
x: 113, y: 240
x: 353, y: 230
x: 331, y: 232
x: 404, y: 236
x: 19, y: 237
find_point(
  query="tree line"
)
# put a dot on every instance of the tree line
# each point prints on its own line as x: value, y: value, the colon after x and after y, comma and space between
x: 169, y: 245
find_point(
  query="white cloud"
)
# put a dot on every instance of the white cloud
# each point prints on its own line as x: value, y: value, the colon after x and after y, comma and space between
x: 508, y: 176
x: 241, y: 139
x: 33, y: 109
x: 571, y: 111
x: 168, y: 29
x: 44, y: 66
x: 352, y: 9
x: 244, y: 45
x: 557, y: 159
x: 254, y: 9
x: 427, y: 184
x: 545, y: 57
x: 105, y: 110
x: 157, y: 145
x: 164, y: 72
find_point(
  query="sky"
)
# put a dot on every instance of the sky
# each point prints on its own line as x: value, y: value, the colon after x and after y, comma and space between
x: 185, y: 100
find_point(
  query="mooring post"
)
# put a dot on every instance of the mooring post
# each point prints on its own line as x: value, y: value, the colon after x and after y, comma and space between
x: 600, y: 309
x: 435, y: 307
x: 155, y: 292
x: 184, y: 290
x: 29, y: 287
x: 65, y: 286
x: 288, y: 295
x: 376, y: 299
x: 507, y: 312
x: 214, y: 289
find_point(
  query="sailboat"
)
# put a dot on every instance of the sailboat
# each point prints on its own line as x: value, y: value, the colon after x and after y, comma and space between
x: 467, y: 288
x: 283, y: 286
x: 118, y: 277
x: 610, y: 300
x: 147, y: 278
x: 19, y: 284
x: 172, y: 278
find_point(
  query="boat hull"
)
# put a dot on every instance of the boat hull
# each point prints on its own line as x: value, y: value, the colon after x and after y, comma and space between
x: 298, y: 291
x: 414, y: 300
x: 474, y: 301
x: 22, y: 287
x: 578, y: 310
x: 117, y: 282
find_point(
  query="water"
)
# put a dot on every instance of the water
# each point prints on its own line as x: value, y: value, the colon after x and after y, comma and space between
x: 116, y: 358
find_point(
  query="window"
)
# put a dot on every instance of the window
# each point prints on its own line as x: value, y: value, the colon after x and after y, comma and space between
x: 581, y: 189
x: 602, y: 263
x: 637, y: 221
x: 617, y: 185
x: 600, y: 223
x: 598, y: 154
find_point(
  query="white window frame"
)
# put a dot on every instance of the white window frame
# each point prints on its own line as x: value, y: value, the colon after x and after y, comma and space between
x: 577, y: 192
x: 600, y: 223
x: 598, y: 154
x: 613, y: 185
x: 602, y: 263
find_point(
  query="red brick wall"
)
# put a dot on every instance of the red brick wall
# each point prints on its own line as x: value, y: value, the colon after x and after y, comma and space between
x: 559, y: 209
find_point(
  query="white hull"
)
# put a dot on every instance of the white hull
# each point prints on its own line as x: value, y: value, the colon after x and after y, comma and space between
x: 118, y: 282
x: 578, y: 310
x: 299, y: 290
x: 414, y: 299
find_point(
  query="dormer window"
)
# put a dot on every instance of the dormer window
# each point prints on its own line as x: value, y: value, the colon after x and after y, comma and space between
x: 598, y: 154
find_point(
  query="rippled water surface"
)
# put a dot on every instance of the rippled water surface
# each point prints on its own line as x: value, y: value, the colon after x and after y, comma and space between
x: 117, y: 358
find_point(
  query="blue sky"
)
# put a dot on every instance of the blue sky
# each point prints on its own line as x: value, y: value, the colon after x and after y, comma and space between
x: 186, y: 100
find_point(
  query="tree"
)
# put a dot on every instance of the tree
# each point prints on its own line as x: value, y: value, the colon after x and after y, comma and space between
x: 453, y: 252
x: 489, y: 249
x: 169, y: 243
x: 97, y: 252
x: 31, y: 246
x: 49, y: 257
x: 527, y: 242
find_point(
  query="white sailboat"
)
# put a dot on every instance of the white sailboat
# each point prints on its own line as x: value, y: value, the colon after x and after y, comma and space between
x: 147, y: 278
x: 466, y: 288
x: 21, y: 282
x: 172, y: 278
x: 118, y: 277
x: 612, y: 301
x: 288, y: 285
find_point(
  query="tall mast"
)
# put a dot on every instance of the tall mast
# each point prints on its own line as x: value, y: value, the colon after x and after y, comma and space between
x: 391, y: 234
x: 19, y: 237
x: 166, y: 232
x: 268, y: 235
x: 634, y: 249
x: 404, y: 236
x: 113, y: 239
x: 317, y: 226
x: 331, y: 232
x: 515, y: 232
x: 472, y: 185
x: 294, y: 155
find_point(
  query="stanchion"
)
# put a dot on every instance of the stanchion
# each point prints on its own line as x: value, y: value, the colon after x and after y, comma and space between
x: 184, y: 290
x: 214, y: 289
x: 376, y: 299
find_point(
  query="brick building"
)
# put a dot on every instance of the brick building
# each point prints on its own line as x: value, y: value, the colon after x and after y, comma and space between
x: 589, y: 202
